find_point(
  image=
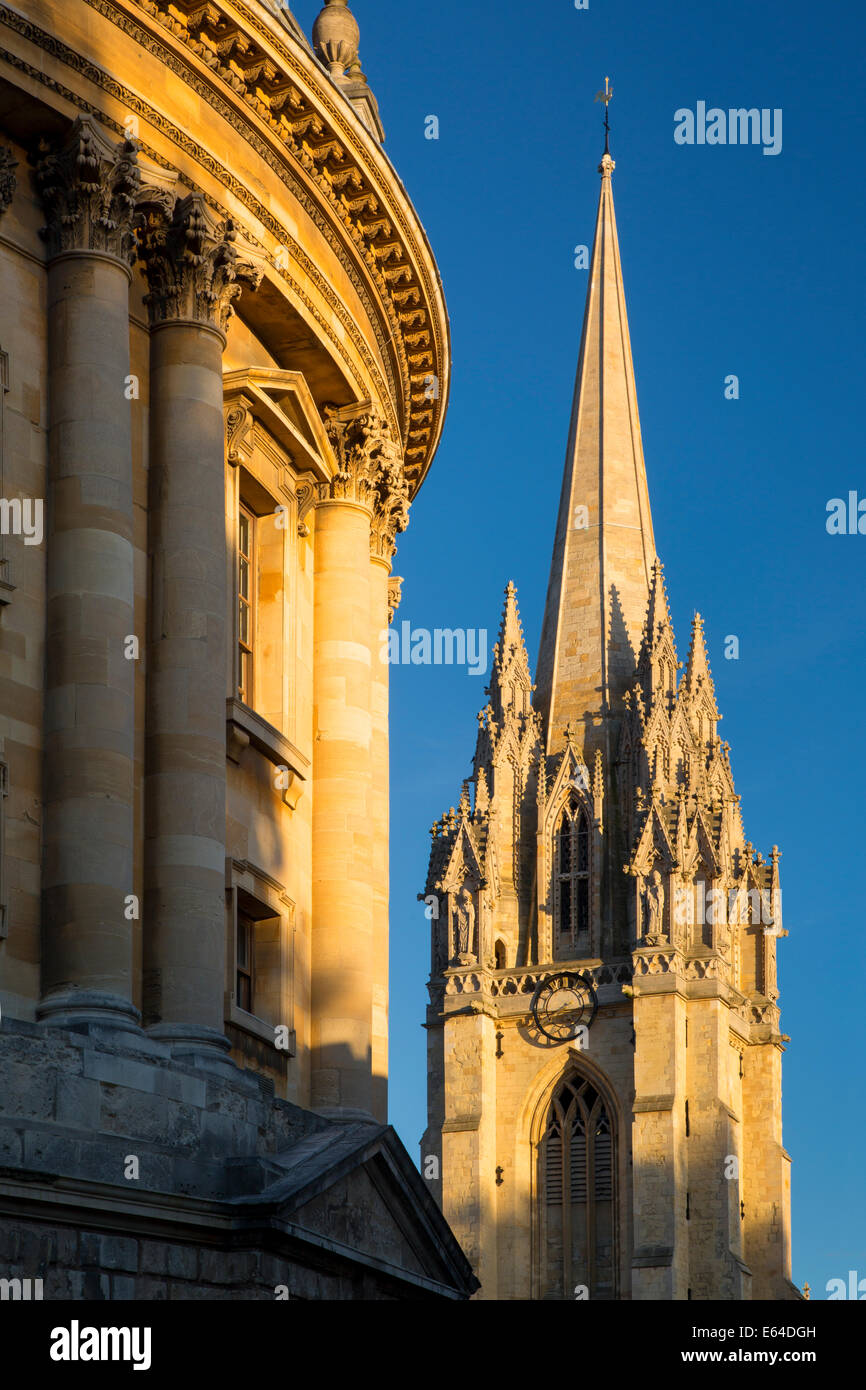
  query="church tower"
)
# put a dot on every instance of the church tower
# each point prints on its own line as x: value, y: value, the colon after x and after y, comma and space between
x: 604, y: 1044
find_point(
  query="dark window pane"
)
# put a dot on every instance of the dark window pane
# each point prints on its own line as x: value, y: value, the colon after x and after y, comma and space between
x: 582, y: 845
x: 582, y: 886
x: 565, y: 846
x: 565, y: 907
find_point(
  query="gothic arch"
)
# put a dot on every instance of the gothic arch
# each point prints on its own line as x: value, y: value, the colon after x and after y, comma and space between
x: 530, y: 1161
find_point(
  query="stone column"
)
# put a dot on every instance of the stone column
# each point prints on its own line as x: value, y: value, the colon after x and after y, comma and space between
x: 349, y: 818
x: 380, y: 569
x: 88, y: 188
x: 391, y: 514
x: 193, y: 274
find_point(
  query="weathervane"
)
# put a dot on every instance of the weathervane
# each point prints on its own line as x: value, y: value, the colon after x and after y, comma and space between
x: 606, y: 96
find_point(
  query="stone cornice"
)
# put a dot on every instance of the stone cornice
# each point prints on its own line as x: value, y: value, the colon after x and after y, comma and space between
x: 353, y: 179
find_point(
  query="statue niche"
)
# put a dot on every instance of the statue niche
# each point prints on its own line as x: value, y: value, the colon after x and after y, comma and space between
x: 654, y: 929
x: 463, y: 917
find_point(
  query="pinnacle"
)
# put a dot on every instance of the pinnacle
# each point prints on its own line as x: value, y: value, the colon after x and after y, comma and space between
x: 698, y: 664
x: 658, y: 609
x: 510, y: 679
x: 510, y: 628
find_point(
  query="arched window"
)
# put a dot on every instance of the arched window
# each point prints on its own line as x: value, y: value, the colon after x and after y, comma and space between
x: 578, y: 1180
x: 572, y: 879
x: 499, y: 954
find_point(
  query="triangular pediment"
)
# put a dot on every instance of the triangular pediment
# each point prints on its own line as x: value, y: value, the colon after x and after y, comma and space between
x: 465, y: 859
x: 653, y: 841
x: 353, y: 1190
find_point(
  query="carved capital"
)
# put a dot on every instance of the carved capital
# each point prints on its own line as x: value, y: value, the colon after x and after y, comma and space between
x: 395, y: 585
x: 192, y: 265
x: 370, y: 472
x: 8, y: 181
x: 88, y: 187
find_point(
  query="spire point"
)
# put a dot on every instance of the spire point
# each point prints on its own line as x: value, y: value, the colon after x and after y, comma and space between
x: 601, y: 569
x: 607, y: 165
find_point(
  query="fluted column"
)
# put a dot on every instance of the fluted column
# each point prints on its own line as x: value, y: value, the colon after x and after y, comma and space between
x: 88, y: 188
x: 193, y: 274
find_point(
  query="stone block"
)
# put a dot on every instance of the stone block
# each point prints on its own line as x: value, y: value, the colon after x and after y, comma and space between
x: 119, y: 1070
x: 28, y: 1090
x: 11, y: 1146
x: 123, y: 1287
x: 149, y: 1290
x: 109, y: 1252
x: 77, y: 1101
x: 182, y: 1261
x: 154, y: 1257
x: 220, y: 1267
x: 64, y: 1247
x: 139, y: 1116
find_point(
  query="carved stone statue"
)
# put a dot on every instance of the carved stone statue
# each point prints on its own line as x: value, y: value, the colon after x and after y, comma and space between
x: 654, y: 899
x: 464, y: 926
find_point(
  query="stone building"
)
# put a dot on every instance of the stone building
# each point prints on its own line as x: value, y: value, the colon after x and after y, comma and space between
x: 604, y: 1045
x: 225, y: 362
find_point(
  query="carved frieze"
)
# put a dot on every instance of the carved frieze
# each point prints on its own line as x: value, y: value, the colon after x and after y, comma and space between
x: 8, y: 181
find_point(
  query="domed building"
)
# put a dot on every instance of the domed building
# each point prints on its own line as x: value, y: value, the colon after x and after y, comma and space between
x: 225, y: 365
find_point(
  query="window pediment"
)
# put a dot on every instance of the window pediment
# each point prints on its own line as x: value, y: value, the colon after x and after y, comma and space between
x: 279, y: 404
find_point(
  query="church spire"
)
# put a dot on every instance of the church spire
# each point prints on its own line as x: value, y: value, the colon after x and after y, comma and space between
x: 604, y: 548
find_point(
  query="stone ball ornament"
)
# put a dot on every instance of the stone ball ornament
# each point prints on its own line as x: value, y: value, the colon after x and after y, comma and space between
x: 563, y: 1004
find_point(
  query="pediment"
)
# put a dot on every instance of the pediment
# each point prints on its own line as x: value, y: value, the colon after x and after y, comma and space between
x: 281, y: 403
x: 353, y: 1189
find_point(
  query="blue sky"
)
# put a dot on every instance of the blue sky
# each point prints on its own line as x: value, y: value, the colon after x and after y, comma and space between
x: 734, y: 262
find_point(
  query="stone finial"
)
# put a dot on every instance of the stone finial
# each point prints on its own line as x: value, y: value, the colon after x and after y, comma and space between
x: 89, y: 186
x: 335, y: 38
x: 192, y: 265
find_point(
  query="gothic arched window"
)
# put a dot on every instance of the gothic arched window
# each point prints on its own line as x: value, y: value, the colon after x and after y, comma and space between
x: 572, y: 879
x: 579, y: 1188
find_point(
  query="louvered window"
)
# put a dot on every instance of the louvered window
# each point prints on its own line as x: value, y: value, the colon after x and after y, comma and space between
x: 578, y: 1194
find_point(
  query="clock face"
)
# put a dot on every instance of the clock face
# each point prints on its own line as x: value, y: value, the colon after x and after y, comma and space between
x: 562, y: 1004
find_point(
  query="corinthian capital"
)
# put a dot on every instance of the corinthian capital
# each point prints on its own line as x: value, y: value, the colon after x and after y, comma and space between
x: 192, y: 265
x: 88, y: 188
x: 8, y: 165
x: 371, y: 472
